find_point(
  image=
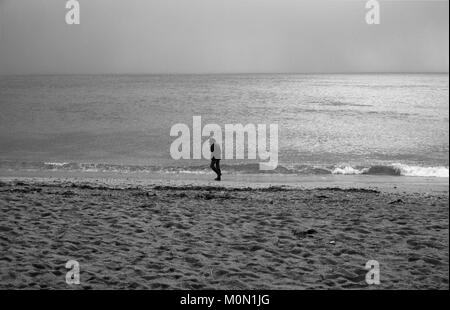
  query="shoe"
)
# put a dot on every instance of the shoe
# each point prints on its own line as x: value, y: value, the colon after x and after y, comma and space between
x: 218, y: 179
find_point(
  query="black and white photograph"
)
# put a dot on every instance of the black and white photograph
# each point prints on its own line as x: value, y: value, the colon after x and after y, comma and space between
x: 238, y: 146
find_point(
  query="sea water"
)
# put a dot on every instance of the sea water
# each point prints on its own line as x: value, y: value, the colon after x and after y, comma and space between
x: 384, y: 124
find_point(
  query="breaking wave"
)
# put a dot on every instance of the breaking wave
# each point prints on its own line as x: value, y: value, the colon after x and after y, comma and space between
x: 396, y: 169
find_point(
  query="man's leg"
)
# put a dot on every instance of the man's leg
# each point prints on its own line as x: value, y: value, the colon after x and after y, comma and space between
x: 219, y: 172
x: 217, y: 169
x: 213, y: 166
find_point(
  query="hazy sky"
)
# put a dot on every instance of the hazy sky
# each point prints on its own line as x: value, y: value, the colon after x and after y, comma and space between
x: 212, y: 36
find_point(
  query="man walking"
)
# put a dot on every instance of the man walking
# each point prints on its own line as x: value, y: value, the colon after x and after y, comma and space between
x: 216, y: 155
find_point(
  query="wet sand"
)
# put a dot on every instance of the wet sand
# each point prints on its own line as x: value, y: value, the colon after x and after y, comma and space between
x: 211, y: 237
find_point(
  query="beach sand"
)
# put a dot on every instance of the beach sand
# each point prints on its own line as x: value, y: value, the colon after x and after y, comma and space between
x: 219, y: 237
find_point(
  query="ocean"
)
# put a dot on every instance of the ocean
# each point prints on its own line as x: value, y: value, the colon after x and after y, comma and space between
x: 381, y: 124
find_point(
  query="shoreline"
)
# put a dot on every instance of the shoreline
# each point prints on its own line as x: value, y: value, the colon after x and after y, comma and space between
x: 393, y: 184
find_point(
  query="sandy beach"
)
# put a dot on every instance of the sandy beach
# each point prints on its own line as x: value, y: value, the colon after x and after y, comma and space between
x: 224, y: 145
x: 219, y: 237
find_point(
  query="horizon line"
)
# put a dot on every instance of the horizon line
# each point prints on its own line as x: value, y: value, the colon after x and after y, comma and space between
x: 230, y: 73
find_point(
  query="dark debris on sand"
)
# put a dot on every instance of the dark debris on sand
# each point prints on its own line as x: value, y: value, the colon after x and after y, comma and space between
x: 165, y: 237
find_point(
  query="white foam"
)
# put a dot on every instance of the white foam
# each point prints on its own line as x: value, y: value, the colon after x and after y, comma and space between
x: 347, y: 170
x: 55, y: 164
x: 417, y: 171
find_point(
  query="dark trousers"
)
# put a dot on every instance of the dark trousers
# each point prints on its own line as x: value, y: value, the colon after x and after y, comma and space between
x: 215, y: 166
